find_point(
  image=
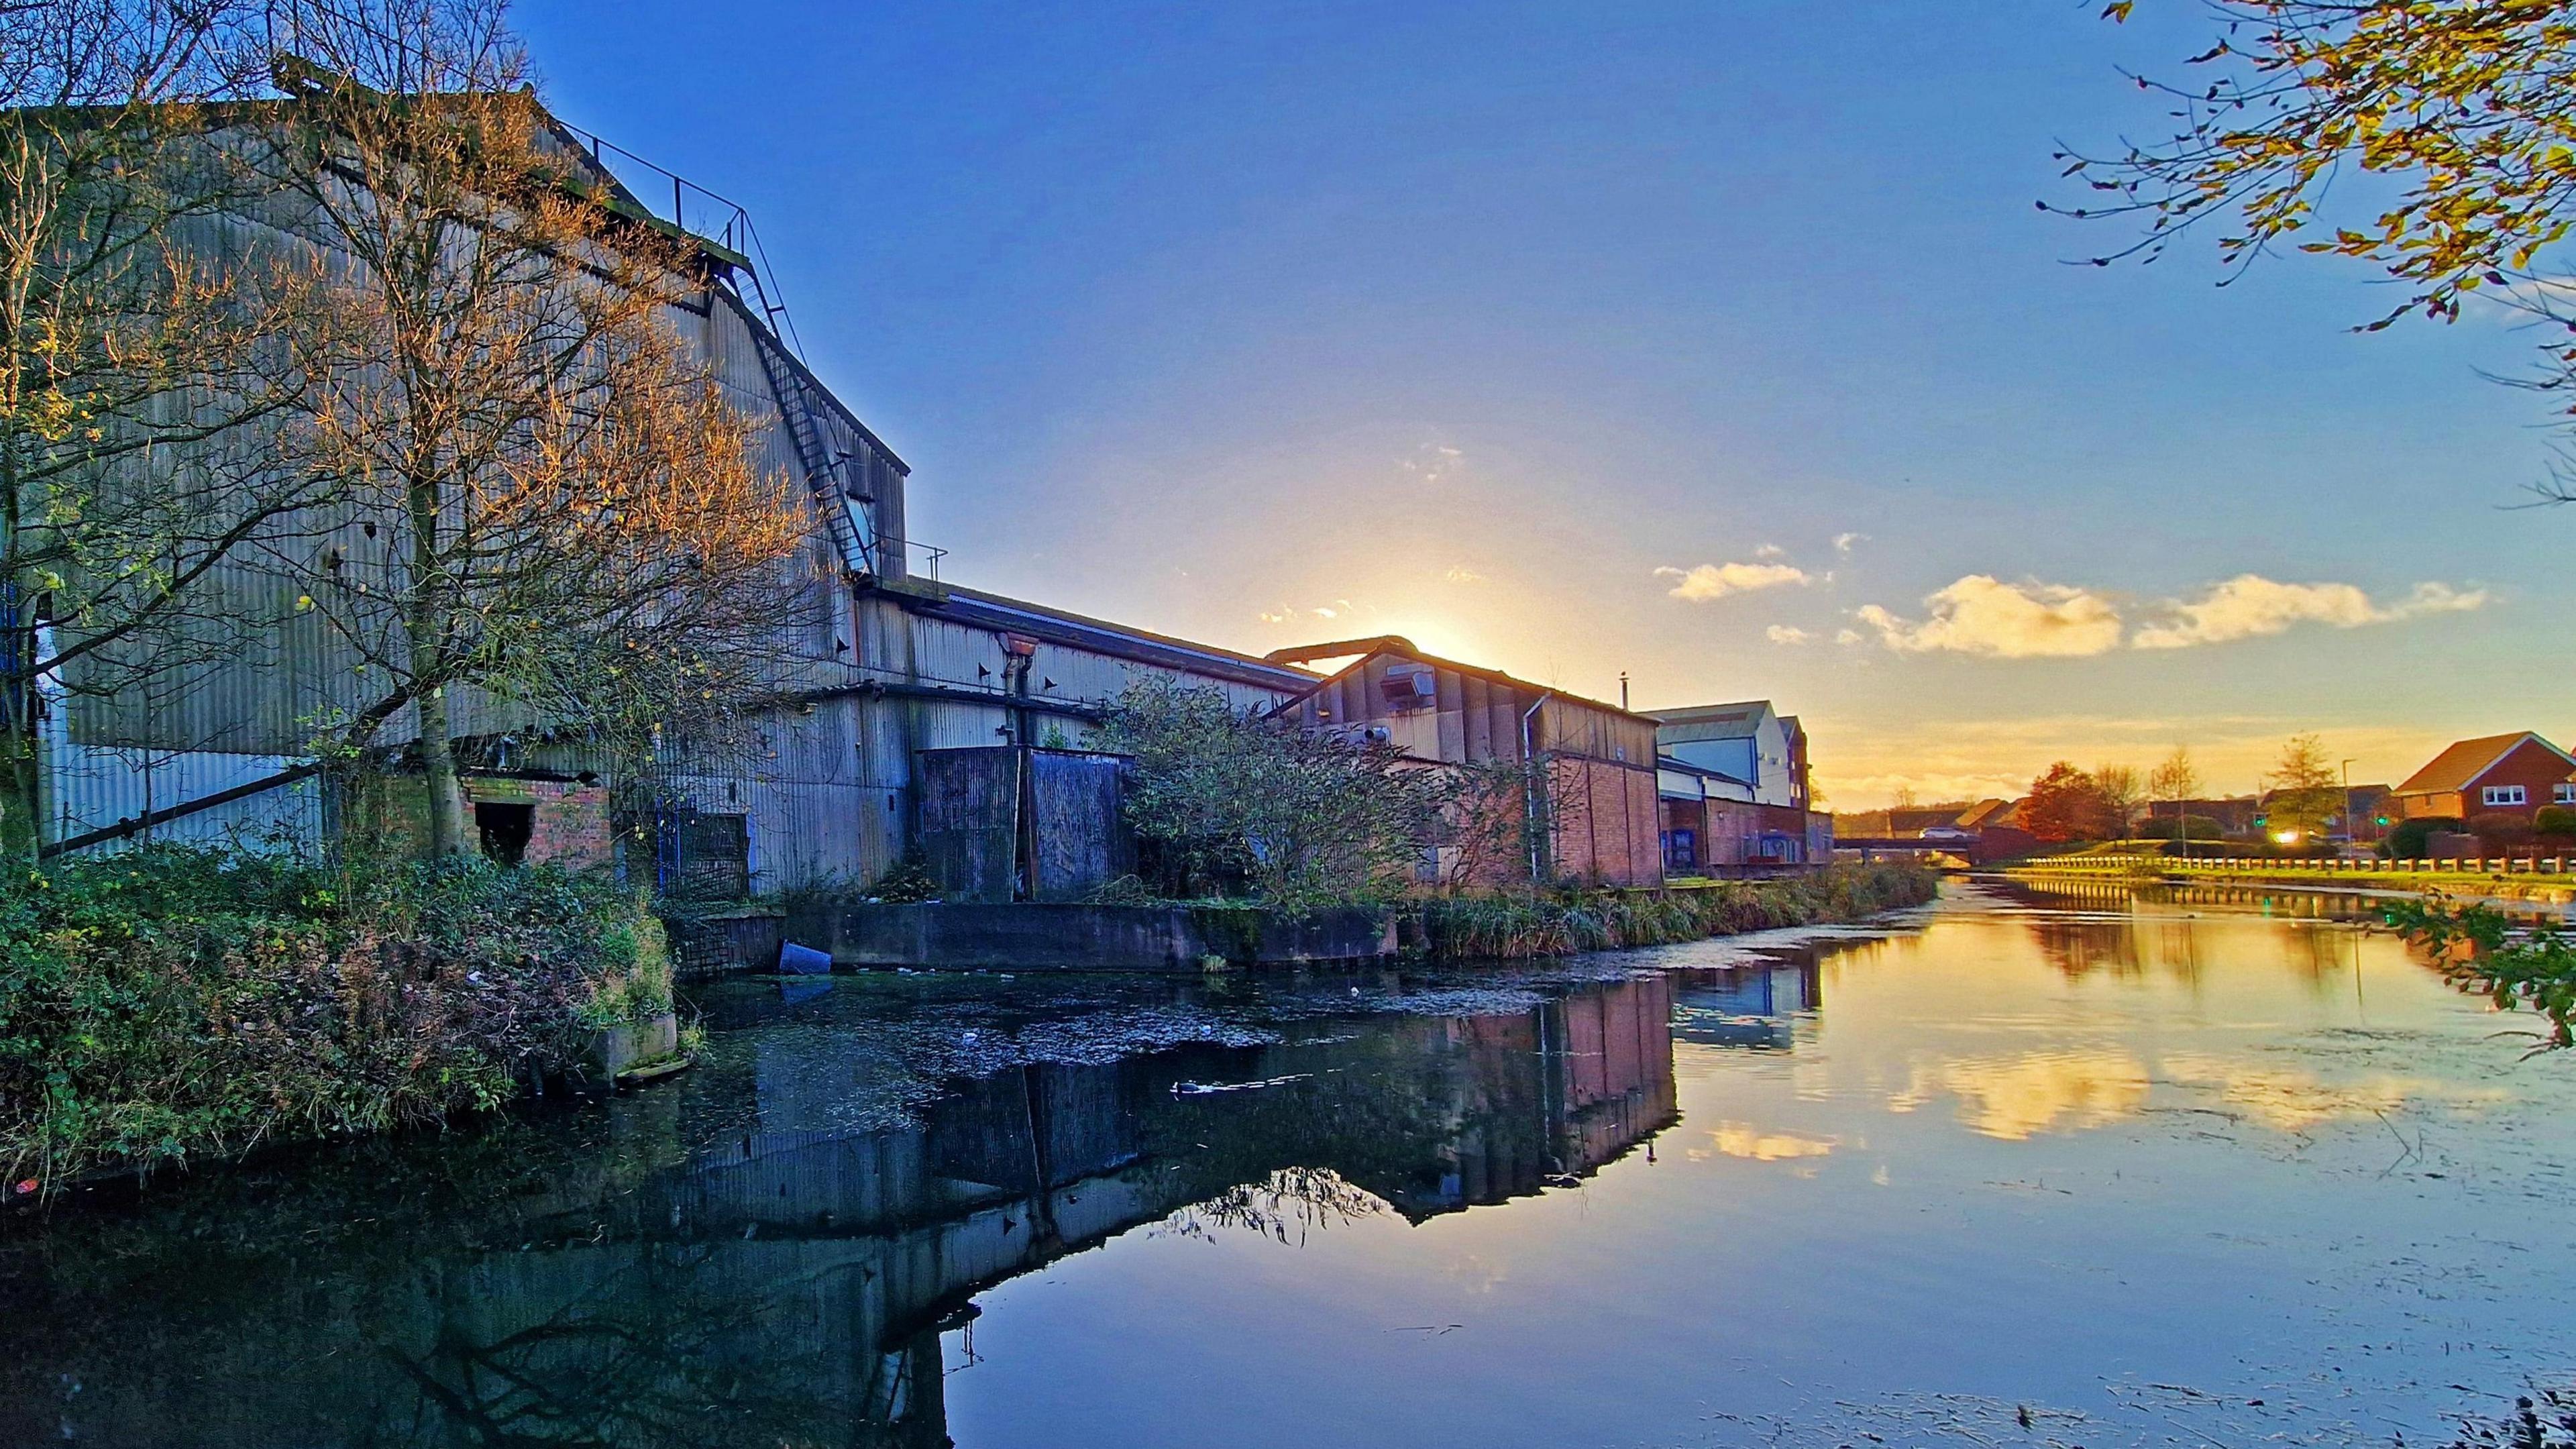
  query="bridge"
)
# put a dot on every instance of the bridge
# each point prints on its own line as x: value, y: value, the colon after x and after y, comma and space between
x: 1964, y: 851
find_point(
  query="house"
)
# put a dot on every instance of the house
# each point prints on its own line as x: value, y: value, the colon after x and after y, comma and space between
x: 2514, y: 774
x: 1718, y: 757
x: 895, y: 671
x: 1590, y: 807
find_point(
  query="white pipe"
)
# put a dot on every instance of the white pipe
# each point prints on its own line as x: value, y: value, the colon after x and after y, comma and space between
x: 1529, y: 805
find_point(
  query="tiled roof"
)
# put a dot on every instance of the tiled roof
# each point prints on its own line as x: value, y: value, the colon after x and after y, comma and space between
x: 2459, y: 767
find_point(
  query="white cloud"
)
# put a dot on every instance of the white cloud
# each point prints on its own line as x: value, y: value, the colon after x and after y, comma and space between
x: 1983, y: 615
x: 2250, y: 605
x: 1461, y: 574
x: 1710, y: 582
x: 1847, y: 636
x: 1291, y: 613
x: 1843, y: 541
x: 1770, y: 550
x: 1784, y: 634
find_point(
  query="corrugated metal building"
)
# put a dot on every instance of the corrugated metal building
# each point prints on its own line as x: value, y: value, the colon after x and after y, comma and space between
x: 891, y: 664
x: 1597, y: 761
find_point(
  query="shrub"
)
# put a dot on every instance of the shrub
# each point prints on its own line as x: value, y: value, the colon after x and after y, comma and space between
x: 2500, y: 830
x: 1528, y: 923
x: 1302, y: 818
x: 2406, y: 839
x: 907, y: 882
x: 2555, y: 824
x: 2484, y: 950
x: 168, y: 1002
x: 2191, y: 827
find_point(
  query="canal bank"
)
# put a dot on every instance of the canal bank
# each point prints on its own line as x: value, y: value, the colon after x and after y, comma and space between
x: 2503, y: 883
x: 1191, y: 937
x: 1882, y: 1181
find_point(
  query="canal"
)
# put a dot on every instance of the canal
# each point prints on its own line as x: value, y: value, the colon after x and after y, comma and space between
x: 2014, y: 1169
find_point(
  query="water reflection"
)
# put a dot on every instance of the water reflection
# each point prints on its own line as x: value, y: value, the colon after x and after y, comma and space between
x: 622, y: 1280
x: 2026, y: 1155
x: 2015, y: 1096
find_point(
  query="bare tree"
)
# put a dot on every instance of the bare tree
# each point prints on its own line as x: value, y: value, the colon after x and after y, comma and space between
x: 2177, y: 779
x: 131, y: 356
x: 2118, y: 786
x: 2304, y: 795
x: 552, y: 505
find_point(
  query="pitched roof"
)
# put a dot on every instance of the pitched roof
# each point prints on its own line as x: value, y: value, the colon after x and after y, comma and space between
x: 1711, y: 721
x: 1401, y: 647
x: 2459, y: 767
x: 1099, y: 636
x: 1982, y: 812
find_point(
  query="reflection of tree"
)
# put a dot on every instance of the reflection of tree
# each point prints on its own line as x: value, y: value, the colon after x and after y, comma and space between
x: 1376, y: 1110
x: 665, y: 1352
x: 2080, y: 948
x: 1301, y: 1199
x: 680, y: 1268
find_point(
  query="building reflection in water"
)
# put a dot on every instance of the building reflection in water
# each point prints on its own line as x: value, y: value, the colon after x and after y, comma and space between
x: 1755, y: 1005
x: 617, y: 1278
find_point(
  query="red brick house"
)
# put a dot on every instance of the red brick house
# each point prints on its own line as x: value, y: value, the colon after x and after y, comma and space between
x: 2513, y: 774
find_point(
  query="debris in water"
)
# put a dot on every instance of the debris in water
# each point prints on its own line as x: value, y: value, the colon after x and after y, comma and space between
x: 1201, y: 1089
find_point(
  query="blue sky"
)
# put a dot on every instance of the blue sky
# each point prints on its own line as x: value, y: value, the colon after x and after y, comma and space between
x: 1462, y: 321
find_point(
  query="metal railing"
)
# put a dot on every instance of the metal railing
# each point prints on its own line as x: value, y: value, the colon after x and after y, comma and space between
x: 700, y: 213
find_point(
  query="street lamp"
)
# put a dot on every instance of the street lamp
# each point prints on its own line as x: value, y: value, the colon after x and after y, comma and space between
x: 2351, y: 832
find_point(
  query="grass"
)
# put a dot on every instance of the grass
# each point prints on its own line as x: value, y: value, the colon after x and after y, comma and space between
x: 1526, y: 924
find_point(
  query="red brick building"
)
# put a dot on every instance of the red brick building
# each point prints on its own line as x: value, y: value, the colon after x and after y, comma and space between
x: 2513, y: 774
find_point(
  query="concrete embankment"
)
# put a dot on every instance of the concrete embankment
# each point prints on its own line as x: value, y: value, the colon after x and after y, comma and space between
x: 1033, y: 937
x: 1068, y: 937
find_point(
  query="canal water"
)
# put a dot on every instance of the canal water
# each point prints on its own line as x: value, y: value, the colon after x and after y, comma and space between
x: 2010, y: 1170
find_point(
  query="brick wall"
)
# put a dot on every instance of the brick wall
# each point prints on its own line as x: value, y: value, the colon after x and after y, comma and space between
x: 569, y: 824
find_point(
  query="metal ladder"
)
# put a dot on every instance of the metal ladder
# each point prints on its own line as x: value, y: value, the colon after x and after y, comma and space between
x: 825, y: 473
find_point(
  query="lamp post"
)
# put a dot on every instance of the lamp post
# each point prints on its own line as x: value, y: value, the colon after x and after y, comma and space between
x: 2351, y: 829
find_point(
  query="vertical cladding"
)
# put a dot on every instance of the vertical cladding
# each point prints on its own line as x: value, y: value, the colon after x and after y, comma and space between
x: 825, y: 789
x: 94, y: 788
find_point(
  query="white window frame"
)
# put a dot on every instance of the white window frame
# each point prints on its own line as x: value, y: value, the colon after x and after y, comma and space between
x: 2507, y: 795
x: 2563, y: 793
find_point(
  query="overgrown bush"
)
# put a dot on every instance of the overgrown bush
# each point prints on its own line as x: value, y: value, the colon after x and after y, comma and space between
x: 1522, y: 924
x: 170, y: 1003
x: 2500, y: 830
x: 2192, y: 827
x: 1226, y: 802
x: 2410, y: 839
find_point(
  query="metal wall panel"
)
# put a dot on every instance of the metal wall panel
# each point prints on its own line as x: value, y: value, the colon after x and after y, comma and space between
x: 970, y: 821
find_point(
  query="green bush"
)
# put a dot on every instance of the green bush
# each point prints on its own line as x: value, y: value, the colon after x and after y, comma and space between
x: 2555, y: 823
x: 170, y: 1003
x: 2482, y: 949
x: 2407, y: 839
x: 1530, y: 923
